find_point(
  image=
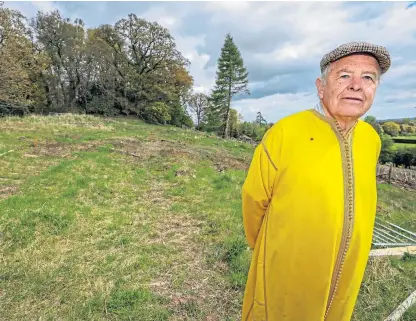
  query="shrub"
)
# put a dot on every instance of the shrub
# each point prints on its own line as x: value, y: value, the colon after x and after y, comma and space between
x: 386, y: 142
x: 391, y: 128
x: 9, y: 109
x: 405, y: 157
x: 187, y: 121
x: 156, y: 113
x: 386, y: 156
x: 102, y: 105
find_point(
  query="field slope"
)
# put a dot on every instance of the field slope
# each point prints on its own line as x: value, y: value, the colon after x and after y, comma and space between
x: 114, y: 219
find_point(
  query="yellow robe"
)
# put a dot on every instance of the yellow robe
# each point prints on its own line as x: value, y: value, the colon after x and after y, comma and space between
x: 309, y: 203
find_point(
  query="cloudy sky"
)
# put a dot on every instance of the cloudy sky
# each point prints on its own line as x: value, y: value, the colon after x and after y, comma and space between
x: 281, y: 44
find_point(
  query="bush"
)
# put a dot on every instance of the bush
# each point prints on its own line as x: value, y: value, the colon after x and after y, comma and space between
x: 386, y: 156
x: 405, y: 157
x: 253, y: 130
x: 179, y: 117
x: 9, y: 109
x: 187, y: 121
x: 386, y: 142
x: 391, y: 128
x: 102, y: 105
x: 156, y: 113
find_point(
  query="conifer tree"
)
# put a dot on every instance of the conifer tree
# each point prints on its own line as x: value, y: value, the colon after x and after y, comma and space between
x: 260, y: 119
x: 231, y: 79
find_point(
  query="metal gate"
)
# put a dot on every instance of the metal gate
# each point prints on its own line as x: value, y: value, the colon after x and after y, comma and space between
x: 387, y: 234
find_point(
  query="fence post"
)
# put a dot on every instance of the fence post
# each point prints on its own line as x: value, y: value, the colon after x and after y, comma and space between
x: 390, y: 172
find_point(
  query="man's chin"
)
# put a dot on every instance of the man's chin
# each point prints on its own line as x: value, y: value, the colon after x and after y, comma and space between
x: 352, y: 111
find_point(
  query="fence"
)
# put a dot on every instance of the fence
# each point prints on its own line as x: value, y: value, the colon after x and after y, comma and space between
x: 396, y: 174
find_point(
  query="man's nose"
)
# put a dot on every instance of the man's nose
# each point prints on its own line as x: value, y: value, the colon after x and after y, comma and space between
x: 356, y: 83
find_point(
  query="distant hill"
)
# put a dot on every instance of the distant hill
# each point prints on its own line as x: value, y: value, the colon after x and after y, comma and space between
x: 397, y: 120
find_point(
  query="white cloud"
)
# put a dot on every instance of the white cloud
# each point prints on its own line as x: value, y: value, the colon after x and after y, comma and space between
x: 275, y: 106
x: 30, y: 9
x: 45, y: 6
x: 160, y: 15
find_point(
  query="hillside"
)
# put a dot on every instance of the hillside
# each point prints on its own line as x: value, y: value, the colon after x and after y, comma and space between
x: 114, y: 219
x: 397, y: 120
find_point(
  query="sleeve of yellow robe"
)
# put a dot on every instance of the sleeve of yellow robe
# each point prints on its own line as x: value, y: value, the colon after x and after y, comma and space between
x: 258, y: 186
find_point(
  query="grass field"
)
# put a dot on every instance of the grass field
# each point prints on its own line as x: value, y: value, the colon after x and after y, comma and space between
x: 114, y: 219
x: 402, y: 146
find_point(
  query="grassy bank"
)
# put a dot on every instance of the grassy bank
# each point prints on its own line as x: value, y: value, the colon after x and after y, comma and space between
x: 114, y: 219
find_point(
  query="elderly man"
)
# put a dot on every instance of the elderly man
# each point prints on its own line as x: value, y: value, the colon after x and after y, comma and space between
x: 309, y: 199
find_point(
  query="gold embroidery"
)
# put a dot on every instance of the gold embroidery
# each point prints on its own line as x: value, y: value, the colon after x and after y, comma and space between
x: 345, y: 142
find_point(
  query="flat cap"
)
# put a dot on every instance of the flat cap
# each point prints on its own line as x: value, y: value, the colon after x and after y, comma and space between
x: 379, y: 52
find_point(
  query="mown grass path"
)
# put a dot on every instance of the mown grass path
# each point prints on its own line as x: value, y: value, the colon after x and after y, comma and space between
x: 114, y: 219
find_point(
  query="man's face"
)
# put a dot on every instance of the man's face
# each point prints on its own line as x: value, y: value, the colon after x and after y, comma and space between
x: 350, y: 86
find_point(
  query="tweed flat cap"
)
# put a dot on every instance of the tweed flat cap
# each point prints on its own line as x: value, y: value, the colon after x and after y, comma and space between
x: 379, y: 52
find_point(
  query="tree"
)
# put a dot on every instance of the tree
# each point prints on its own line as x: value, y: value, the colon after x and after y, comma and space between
x: 370, y: 119
x: 233, y: 127
x: 54, y: 64
x: 231, y: 78
x: 378, y: 129
x: 260, y: 120
x: 252, y: 130
x: 387, y: 153
x: 391, y: 128
x: 64, y: 43
x: 17, y: 61
x: 198, y: 104
x: 386, y: 142
x: 149, y: 51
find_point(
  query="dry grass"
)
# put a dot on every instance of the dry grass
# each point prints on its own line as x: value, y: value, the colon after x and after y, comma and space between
x: 387, y: 283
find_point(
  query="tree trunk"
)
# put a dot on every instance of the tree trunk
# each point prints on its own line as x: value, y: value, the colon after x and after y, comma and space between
x: 227, y: 122
x: 198, y: 117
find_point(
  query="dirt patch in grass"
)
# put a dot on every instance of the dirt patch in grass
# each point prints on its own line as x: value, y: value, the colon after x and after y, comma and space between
x: 6, y: 191
x: 145, y: 150
x: 62, y: 150
x: 223, y: 163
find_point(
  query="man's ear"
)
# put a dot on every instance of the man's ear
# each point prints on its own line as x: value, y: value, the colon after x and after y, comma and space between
x: 320, y: 87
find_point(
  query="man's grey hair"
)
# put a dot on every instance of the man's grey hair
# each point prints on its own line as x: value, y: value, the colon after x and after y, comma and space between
x: 327, y: 69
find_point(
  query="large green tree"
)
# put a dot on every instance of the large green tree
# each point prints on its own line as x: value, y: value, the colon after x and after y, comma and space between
x: 18, y: 66
x: 231, y: 79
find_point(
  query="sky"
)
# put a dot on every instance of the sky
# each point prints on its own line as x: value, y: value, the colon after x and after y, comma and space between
x: 281, y: 44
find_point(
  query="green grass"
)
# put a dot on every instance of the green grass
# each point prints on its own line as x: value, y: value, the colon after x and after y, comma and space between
x: 402, y: 146
x: 115, y: 219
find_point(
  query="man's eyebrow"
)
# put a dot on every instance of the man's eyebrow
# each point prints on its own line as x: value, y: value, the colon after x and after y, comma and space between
x: 370, y: 72
x: 344, y: 70
x: 350, y: 71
